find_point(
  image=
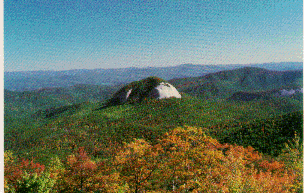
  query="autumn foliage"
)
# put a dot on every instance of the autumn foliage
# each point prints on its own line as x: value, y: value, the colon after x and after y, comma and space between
x: 183, y: 160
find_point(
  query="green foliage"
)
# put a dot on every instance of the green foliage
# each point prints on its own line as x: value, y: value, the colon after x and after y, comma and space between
x: 18, y: 104
x: 292, y: 153
x: 266, y: 135
x: 32, y: 183
x: 292, y: 156
x: 53, y: 112
x: 94, y: 129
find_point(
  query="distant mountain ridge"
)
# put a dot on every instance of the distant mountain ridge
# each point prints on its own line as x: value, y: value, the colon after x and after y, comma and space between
x: 224, y: 84
x: 32, y: 80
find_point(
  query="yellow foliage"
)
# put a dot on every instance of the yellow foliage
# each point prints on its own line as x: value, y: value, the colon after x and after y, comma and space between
x: 183, y: 160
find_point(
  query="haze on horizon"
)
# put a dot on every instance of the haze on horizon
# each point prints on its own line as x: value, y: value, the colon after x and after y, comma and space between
x: 63, y: 35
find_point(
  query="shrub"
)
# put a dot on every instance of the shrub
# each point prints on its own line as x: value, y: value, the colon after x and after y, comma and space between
x: 32, y: 183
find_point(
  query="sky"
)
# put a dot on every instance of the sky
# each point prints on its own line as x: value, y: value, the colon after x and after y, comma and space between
x: 90, y: 34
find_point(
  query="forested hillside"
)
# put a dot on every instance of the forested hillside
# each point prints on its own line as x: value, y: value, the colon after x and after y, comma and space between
x: 225, y: 83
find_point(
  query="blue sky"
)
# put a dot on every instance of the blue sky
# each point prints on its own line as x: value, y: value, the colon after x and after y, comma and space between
x: 89, y: 34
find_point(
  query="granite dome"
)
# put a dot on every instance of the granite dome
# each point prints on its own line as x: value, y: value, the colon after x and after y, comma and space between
x: 149, y: 88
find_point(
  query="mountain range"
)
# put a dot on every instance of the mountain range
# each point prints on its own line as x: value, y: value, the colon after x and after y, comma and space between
x: 224, y: 84
x: 32, y: 80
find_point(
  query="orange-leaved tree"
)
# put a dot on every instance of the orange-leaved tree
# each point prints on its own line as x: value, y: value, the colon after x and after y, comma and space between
x: 78, y: 174
x: 81, y: 174
x: 192, y: 161
x: 137, y: 164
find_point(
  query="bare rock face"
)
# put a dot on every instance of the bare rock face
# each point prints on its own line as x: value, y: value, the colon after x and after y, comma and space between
x: 149, y: 88
x: 290, y: 92
x: 164, y: 90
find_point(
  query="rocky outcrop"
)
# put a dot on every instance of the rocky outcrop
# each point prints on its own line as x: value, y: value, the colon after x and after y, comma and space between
x: 290, y: 92
x: 149, y: 88
x: 164, y: 90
